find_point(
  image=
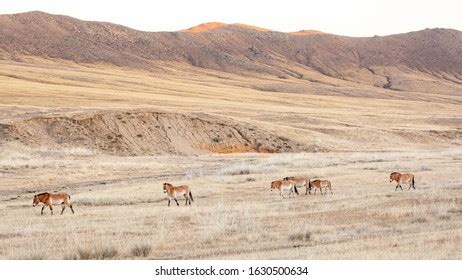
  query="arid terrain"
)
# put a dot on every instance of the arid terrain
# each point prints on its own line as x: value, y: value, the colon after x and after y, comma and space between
x: 108, y: 114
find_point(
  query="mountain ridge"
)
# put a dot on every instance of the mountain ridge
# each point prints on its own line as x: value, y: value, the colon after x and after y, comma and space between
x: 383, y: 61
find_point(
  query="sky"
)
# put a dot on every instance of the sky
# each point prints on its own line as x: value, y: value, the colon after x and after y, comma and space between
x: 342, y: 17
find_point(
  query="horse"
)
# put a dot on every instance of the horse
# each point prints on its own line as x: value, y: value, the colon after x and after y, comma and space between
x: 50, y: 199
x: 402, y: 178
x: 282, y: 185
x: 319, y: 184
x: 173, y: 191
x: 300, y: 181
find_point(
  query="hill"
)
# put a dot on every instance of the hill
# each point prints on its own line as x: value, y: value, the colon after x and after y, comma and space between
x: 429, y: 60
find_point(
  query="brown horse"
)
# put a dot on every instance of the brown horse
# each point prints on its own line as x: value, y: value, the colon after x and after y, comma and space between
x: 173, y: 192
x: 319, y: 184
x: 50, y: 199
x: 402, y: 178
x: 283, y: 185
x: 300, y: 181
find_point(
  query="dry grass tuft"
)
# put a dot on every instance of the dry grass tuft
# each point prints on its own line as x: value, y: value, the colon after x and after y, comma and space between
x: 302, y: 236
x: 106, y: 253
x: 35, y: 256
x: 141, y: 250
x: 98, y: 253
x: 84, y: 254
x: 419, y: 220
x: 444, y: 217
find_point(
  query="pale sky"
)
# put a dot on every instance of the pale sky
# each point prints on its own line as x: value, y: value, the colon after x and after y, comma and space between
x: 352, y: 18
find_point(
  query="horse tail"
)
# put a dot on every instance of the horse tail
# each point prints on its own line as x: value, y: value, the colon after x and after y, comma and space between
x: 190, y: 196
x: 295, y: 189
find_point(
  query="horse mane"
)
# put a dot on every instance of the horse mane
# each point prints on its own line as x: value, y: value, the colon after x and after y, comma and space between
x: 44, y: 193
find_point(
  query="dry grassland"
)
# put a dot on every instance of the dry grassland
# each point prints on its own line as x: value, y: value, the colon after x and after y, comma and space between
x: 122, y: 213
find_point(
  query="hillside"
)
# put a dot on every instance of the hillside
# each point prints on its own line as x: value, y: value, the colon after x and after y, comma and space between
x: 224, y: 88
x: 428, y: 61
x: 146, y: 133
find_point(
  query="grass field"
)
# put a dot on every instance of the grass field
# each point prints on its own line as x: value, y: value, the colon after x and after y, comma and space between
x: 122, y: 213
x: 121, y: 210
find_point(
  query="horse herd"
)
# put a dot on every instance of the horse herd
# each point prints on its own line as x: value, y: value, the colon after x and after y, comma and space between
x: 285, y: 184
x: 291, y: 184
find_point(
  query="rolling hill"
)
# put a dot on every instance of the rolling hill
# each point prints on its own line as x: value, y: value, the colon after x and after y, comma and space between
x: 432, y: 57
x: 224, y: 88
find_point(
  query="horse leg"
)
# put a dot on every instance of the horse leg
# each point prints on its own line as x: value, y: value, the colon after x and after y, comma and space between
x: 282, y: 194
x: 64, y: 207
x: 169, y: 201
x: 185, y: 196
x: 41, y: 213
x: 401, y: 186
x: 51, y: 209
x: 306, y: 190
x: 72, y: 209
x: 177, y: 204
x: 396, y: 187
